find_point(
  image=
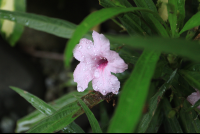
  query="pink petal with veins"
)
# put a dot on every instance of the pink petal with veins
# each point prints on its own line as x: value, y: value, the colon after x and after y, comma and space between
x: 96, y: 63
x: 194, y: 97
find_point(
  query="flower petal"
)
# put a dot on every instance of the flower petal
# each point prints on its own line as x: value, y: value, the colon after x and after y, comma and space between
x: 83, y: 74
x: 84, y: 51
x: 101, y: 43
x: 116, y: 63
x: 106, y: 83
x: 193, y: 98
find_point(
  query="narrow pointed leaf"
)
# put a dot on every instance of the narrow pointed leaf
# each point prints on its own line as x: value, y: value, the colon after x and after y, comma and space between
x: 191, y: 23
x: 65, y: 115
x: 33, y: 118
x: 146, y: 4
x: 130, y: 21
x: 35, y: 101
x: 194, y: 106
x: 134, y: 94
x: 193, y: 78
x: 172, y: 15
x: 154, y: 103
x: 156, y: 121
x: 181, y: 13
x: 93, y: 121
x: 171, y: 123
x: 53, y: 26
x: 45, y: 109
x: 189, y: 120
x: 153, y: 21
x: 181, y: 47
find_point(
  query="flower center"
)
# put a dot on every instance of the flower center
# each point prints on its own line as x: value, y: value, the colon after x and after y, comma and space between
x: 102, y: 63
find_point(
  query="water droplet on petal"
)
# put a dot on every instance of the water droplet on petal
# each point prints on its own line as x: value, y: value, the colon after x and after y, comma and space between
x: 104, y: 91
x: 88, y: 47
x: 96, y: 74
x: 100, y: 38
x: 113, y: 88
x: 83, y: 69
x: 80, y: 47
x: 79, y: 88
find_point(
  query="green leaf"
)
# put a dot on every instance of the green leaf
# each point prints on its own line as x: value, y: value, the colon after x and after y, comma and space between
x: 92, y: 20
x: 93, y: 121
x: 104, y: 118
x: 129, y: 59
x: 177, y: 46
x: 191, y: 23
x: 130, y: 21
x: 193, y: 78
x: 191, y: 33
x: 194, y: 106
x: 35, y: 101
x: 181, y: 13
x: 156, y: 121
x: 146, y: 4
x: 154, y: 103
x: 10, y: 30
x: 172, y: 16
x: 44, y: 108
x: 134, y: 93
x: 189, y: 120
x: 65, y: 115
x: 53, y: 26
x: 193, y: 67
x: 153, y: 21
x: 73, y: 128
x: 30, y: 120
x: 171, y: 123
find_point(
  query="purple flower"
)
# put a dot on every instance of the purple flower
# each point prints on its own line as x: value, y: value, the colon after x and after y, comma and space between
x: 194, y: 97
x: 97, y: 62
